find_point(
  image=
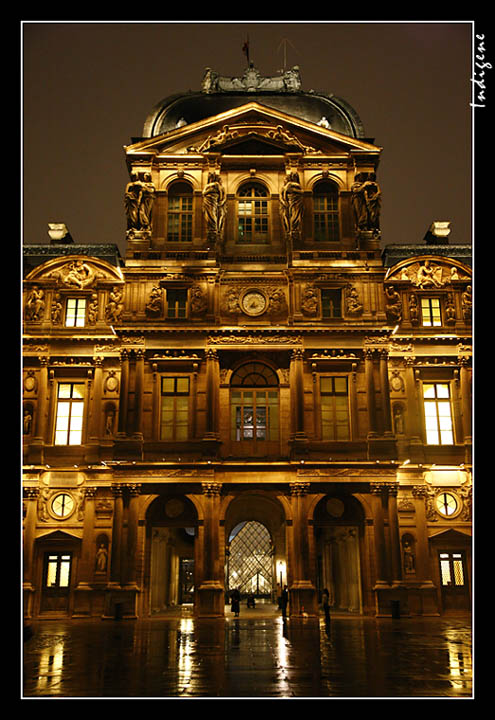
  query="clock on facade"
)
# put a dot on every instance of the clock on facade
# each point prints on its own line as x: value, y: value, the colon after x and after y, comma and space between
x: 253, y: 302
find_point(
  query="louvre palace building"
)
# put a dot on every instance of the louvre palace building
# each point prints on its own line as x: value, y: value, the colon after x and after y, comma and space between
x: 262, y: 391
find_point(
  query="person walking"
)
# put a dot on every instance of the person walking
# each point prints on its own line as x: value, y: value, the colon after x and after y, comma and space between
x: 235, y: 601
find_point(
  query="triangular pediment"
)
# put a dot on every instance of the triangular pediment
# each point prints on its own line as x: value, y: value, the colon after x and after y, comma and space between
x: 251, y: 127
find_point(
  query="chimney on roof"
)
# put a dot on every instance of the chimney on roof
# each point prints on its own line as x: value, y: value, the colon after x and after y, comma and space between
x: 59, y: 234
x: 438, y: 233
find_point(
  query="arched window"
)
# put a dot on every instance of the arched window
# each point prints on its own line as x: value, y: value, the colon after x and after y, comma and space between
x: 180, y: 212
x: 326, y: 212
x: 254, y: 404
x: 252, y: 214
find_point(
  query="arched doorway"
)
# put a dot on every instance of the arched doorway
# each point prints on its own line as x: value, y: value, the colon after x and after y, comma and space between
x: 250, y: 560
x: 255, y: 552
x: 171, y: 523
x: 339, y: 527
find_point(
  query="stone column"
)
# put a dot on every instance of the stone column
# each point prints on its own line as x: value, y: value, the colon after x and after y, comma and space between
x: 386, y: 409
x: 212, y: 386
x: 466, y: 401
x: 124, y: 393
x: 393, y: 525
x: 118, y: 514
x: 82, y: 592
x: 302, y: 591
x: 92, y: 453
x: 132, y: 528
x: 423, y: 570
x: 31, y: 500
x: 378, y: 502
x: 297, y: 393
x: 413, y: 421
x: 370, y: 394
x: 138, y: 396
x: 36, y: 447
x: 210, y: 594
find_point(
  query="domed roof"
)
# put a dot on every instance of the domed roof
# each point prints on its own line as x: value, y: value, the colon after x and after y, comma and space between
x: 281, y: 92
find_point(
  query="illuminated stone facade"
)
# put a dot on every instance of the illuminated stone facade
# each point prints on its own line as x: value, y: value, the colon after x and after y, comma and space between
x: 254, y: 358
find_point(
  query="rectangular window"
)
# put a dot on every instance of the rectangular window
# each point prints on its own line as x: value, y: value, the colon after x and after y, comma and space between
x: 174, y: 421
x: 176, y: 303
x: 58, y: 570
x: 430, y: 312
x: 179, y: 219
x: 70, y: 414
x: 253, y: 221
x: 326, y: 218
x: 451, y: 569
x: 331, y: 303
x: 75, y: 312
x: 438, y: 414
x: 334, y: 403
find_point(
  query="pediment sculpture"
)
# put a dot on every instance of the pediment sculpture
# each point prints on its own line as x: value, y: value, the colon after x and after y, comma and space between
x: 427, y: 274
x: 289, y: 81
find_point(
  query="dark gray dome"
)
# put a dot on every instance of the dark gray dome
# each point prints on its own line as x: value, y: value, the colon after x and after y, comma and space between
x: 226, y: 93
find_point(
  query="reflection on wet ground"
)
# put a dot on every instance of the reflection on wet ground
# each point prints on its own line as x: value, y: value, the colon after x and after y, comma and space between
x: 254, y: 656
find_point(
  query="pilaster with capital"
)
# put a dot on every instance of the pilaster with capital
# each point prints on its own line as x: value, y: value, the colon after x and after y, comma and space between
x: 134, y: 491
x: 296, y: 382
x: 210, y: 593
x: 117, y: 526
x: 302, y: 590
x: 124, y: 393
x: 212, y: 385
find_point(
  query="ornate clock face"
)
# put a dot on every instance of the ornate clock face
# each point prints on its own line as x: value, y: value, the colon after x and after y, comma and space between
x: 253, y: 303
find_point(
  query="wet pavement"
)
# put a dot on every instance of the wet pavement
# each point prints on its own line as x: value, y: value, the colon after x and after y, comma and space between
x: 254, y: 656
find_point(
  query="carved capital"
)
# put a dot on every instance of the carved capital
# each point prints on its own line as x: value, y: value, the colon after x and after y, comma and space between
x: 299, y: 487
x: 211, y: 488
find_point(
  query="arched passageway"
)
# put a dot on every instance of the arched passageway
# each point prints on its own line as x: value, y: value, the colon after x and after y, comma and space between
x: 171, y: 523
x: 339, y: 536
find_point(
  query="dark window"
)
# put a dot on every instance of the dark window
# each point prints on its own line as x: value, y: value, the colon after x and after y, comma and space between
x: 176, y: 303
x: 331, y: 303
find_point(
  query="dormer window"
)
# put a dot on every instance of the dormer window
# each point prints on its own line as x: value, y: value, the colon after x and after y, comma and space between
x: 252, y: 214
x: 75, y: 312
x: 326, y: 212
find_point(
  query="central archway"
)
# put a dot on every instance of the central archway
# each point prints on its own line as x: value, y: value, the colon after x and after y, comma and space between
x: 250, y: 560
x: 255, y: 544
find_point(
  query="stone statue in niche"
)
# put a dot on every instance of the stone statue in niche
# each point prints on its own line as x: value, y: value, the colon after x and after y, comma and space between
x: 291, y: 204
x: 114, y: 307
x: 409, y: 560
x: 109, y: 420
x: 467, y: 303
x: 353, y: 306
x: 366, y: 202
x: 393, y: 307
x: 231, y: 302
x: 398, y: 415
x: 27, y: 421
x: 413, y: 309
x: 214, y: 209
x: 93, y: 309
x: 450, y: 310
x: 154, y: 306
x: 35, y: 304
x: 56, y: 309
x: 199, y: 302
x: 277, y: 303
x: 101, y: 558
x: 309, y: 300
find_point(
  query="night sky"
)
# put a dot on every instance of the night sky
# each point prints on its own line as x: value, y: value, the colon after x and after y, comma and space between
x: 87, y: 89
